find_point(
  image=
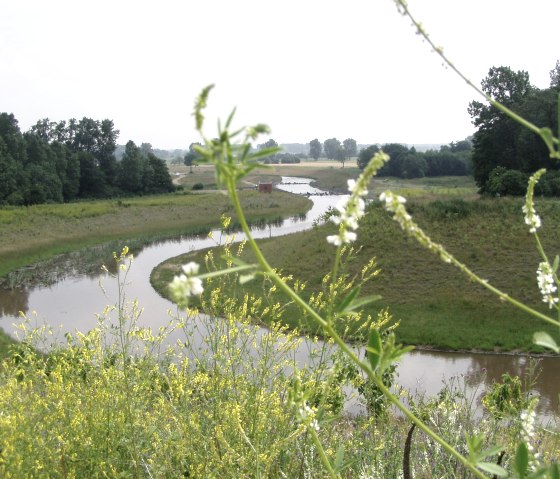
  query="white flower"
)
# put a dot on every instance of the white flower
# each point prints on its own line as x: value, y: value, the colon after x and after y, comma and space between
x: 547, y: 285
x: 341, y: 238
x: 532, y: 219
x: 190, y: 269
x: 186, y: 285
x: 391, y: 200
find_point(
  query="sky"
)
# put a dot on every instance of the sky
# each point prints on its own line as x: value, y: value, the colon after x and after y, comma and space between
x: 307, y: 68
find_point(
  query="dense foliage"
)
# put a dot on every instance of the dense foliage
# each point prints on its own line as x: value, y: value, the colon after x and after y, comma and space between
x: 66, y: 161
x: 504, y: 151
x: 451, y: 160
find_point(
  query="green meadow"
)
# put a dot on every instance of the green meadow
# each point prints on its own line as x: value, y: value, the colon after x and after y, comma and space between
x: 434, y: 303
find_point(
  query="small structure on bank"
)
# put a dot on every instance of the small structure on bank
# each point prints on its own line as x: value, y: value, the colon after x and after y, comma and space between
x: 265, y: 187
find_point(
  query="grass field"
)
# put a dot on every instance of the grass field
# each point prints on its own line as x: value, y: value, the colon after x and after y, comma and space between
x: 435, y: 304
x: 329, y: 175
x: 31, y: 234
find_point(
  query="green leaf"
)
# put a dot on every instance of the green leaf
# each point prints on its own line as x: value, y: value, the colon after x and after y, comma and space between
x: 540, y: 473
x: 474, y: 443
x: 548, y: 138
x: 554, y: 471
x: 342, y: 307
x: 264, y: 153
x: 339, y: 458
x: 360, y: 303
x: 245, y: 278
x: 200, y: 104
x: 491, y: 451
x: 374, y: 348
x: 229, y: 119
x: 544, y: 339
x: 492, y: 469
x: 521, y: 460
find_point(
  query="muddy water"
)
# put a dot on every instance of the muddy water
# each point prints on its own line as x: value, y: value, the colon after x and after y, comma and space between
x: 71, y: 303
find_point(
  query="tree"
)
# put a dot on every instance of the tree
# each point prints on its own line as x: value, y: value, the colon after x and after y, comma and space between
x: 365, y: 155
x: 350, y: 147
x: 340, y: 155
x: 160, y: 181
x: 495, y: 141
x: 555, y: 76
x: 315, y: 149
x: 191, y: 156
x: 10, y: 172
x: 269, y: 144
x: 131, y: 170
x: 331, y: 148
x: 396, y: 153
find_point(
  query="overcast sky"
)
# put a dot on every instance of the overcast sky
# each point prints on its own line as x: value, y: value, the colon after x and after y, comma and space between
x: 309, y: 69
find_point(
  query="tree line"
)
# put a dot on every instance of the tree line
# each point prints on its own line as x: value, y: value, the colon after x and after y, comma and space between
x: 333, y: 149
x: 450, y: 160
x: 505, y: 153
x: 70, y: 160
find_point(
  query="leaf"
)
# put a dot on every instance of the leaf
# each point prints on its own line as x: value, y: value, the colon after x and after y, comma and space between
x: 544, y: 339
x: 374, y: 348
x: 245, y: 278
x: 339, y: 458
x: 230, y: 118
x: 264, y: 153
x: 492, y: 469
x: 548, y: 138
x: 554, y: 471
x: 521, y: 460
x: 491, y: 451
x: 346, y: 301
x: 359, y: 303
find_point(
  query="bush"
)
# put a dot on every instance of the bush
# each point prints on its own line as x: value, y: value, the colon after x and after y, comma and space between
x: 198, y: 186
x: 505, y: 182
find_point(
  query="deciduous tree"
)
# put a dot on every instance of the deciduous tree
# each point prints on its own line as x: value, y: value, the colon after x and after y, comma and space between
x: 315, y: 149
x: 331, y: 148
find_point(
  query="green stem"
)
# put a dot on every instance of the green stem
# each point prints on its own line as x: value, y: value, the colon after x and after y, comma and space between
x: 410, y: 415
x: 338, y: 340
x: 324, y: 458
x: 503, y: 296
x: 449, y: 63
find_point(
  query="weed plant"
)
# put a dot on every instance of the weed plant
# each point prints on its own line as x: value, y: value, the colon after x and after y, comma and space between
x: 230, y: 400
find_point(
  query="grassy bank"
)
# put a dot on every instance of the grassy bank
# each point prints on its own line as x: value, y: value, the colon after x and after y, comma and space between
x: 31, y: 234
x: 435, y: 304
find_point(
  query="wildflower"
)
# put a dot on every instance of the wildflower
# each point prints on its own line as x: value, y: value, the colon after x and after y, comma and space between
x: 532, y: 219
x: 190, y: 269
x: 307, y: 416
x: 351, y: 209
x: 547, y: 284
x: 187, y: 284
x: 341, y: 238
x: 528, y: 434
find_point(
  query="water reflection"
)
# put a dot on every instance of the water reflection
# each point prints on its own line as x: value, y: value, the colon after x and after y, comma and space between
x: 13, y: 300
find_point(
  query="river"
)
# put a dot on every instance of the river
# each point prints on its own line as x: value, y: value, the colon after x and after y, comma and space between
x: 71, y: 303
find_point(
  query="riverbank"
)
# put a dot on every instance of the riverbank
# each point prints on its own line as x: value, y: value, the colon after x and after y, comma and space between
x: 434, y: 303
x: 35, y: 233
